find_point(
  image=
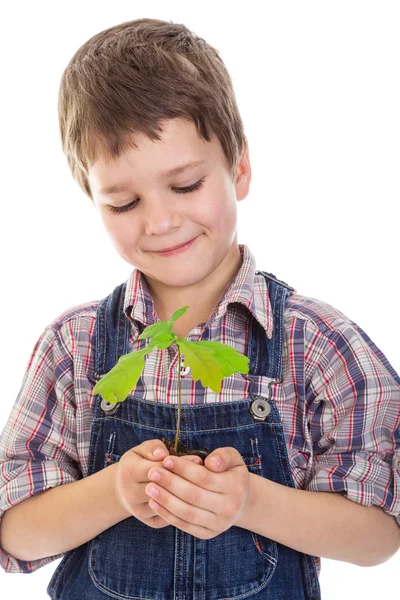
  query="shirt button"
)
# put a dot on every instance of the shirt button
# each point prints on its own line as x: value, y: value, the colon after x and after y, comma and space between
x: 396, y: 462
x: 184, y: 370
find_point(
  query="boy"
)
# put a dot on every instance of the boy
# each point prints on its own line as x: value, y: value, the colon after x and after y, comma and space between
x: 152, y: 133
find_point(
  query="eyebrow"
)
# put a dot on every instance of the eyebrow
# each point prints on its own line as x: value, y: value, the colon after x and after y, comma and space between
x: 122, y: 187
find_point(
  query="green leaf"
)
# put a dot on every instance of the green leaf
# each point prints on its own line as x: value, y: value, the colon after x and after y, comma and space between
x: 178, y: 314
x: 115, y: 385
x: 164, y: 340
x: 156, y: 329
x: 162, y: 326
x: 211, y: 362
x: 146, y: 350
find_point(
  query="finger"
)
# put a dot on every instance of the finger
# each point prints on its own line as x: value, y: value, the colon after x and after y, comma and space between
x: 190, y: 492
x: 156, y: 521
x: 134, y: 466
x: 222, y: 459
x: 149, y: 473
x: 150, y: 517
x: 144, y: 467
x: 192, y: 472
x: 197, y: 530
x: 193, y: 458
x: 151, y: 450
x: 186, y: 511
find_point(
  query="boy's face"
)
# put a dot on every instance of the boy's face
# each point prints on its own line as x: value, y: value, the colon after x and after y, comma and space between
x: 158, y: 216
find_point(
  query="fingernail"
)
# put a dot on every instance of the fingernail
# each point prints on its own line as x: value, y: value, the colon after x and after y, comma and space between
x: 169, y: 463
x: 158, y: 451
x: 153, y: 492
x: 155, y: 476
x: 216, y: 461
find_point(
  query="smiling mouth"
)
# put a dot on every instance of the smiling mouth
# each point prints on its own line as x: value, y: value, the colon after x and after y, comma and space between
x: 175, y: 247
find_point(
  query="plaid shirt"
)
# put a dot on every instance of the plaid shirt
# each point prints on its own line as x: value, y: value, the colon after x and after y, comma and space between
x: 339, y: 401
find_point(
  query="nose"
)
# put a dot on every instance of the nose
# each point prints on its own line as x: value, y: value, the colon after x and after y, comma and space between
x: 161, y: 216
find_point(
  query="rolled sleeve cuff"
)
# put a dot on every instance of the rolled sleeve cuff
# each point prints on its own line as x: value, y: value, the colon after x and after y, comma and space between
x: 364, y: 478
x: 10, y: 564
x: 17, y: 490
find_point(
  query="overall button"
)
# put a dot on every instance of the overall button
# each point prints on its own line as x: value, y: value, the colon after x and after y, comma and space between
x: 108, y: 407
x: 260, y: 408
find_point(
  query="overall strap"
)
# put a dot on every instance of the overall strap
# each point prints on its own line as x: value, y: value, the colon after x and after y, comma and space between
x: 112, y: 331
x: 268, y: 358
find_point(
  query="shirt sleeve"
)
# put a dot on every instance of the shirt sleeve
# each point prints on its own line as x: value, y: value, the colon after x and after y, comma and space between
x: 354, y: 400
x: 38, y: 443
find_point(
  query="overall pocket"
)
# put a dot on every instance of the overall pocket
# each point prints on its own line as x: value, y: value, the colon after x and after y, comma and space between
x: 239, y: 563
x: 131, y: 560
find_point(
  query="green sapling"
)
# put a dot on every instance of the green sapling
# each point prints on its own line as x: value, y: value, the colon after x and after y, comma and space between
x: 210, y: 362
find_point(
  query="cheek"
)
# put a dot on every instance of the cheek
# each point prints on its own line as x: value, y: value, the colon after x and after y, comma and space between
x: 115, y: 224
x: 217, y: 205
x: 107, y: 219
x: 224, y: 209
x: 119, y: 229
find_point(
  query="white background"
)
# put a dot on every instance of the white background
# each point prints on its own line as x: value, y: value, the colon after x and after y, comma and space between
x: 317, y: 84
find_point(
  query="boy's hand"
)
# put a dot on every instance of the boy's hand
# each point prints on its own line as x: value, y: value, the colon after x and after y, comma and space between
x: 130, y: 480
x: 201, y: 500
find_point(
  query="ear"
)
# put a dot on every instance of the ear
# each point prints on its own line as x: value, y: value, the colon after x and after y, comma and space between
x: 243, y: 174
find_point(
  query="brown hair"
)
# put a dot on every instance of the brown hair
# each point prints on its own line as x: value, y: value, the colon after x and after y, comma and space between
x: 129, y: 78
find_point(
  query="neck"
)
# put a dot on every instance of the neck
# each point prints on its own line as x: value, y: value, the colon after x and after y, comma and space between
x: 201, y: 298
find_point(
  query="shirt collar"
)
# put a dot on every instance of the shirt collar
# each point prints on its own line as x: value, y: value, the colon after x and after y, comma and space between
x: 247, y: 288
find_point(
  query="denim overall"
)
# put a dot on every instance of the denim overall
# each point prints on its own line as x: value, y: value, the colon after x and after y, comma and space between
x: 132, y: 561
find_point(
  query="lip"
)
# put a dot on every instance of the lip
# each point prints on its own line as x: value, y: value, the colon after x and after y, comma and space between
x: 176, y: 249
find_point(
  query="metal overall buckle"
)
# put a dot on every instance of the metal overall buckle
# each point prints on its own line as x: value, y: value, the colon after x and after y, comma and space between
x: 260, y: 407
x: 107, y: 407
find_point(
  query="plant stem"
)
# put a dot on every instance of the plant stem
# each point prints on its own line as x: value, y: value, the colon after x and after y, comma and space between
x: 179, y: 401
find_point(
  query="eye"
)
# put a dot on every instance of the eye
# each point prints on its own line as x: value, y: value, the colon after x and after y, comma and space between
x: 179, y: 190
x: 190, y: 188
x: 120, y: 209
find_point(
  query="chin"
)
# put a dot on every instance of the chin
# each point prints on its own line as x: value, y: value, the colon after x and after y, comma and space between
x: 180, y: 281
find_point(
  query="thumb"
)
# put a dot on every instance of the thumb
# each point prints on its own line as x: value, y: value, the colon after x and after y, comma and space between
x: 222, y: 459
x: 155, y: 450
x: 215, y: 462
